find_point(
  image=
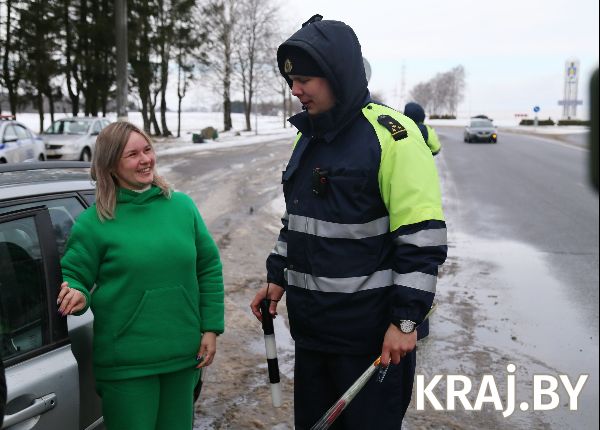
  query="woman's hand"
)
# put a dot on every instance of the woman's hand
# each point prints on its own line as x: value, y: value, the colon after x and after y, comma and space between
x: 208, y: 349
x: 69, y: 300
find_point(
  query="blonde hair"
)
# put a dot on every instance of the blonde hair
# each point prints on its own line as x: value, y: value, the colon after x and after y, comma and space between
x: 110, y: 145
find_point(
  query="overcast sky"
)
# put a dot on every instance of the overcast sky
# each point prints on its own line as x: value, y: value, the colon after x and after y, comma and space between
x: 513, y: 52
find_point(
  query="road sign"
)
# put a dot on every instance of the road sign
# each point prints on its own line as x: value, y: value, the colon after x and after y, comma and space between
x: 536, y: 109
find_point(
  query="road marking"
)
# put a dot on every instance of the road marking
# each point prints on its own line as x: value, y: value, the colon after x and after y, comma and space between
x: 552, y: 141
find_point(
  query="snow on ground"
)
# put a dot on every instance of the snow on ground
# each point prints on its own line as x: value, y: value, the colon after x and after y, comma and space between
x: 266, y: 128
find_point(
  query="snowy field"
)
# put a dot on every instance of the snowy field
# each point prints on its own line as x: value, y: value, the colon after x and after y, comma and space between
x: 266, y: 128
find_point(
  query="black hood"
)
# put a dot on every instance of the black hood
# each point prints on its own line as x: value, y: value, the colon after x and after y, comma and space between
x: 415, y: 112
x: 336, y: 49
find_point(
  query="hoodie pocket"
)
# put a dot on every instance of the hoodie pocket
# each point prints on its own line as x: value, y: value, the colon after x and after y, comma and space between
x: 164, y: 326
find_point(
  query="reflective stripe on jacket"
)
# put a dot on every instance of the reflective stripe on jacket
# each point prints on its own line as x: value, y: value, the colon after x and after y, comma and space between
x: 366, y: 250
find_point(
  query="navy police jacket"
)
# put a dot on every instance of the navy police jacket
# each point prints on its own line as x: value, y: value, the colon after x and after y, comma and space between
x: 363, y: 233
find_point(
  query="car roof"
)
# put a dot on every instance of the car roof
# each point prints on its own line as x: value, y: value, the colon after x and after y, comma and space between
x: 31, y: 179
x: 12, y: 121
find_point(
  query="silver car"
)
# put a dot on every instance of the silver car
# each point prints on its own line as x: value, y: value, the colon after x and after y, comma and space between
x: 481, y: 129
x: 48, y: 358
x: 73, y: 138
x: 18, y: 143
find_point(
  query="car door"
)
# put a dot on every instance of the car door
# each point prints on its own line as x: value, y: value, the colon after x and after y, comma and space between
x: 64, y: 209
x: 26, y: 143
x: 41, y: 370
x: 10, y: 143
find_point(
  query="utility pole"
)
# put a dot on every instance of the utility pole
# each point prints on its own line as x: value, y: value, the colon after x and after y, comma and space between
x: 122, y: 78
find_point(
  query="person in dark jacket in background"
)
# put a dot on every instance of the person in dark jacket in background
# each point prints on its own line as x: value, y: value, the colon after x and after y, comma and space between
x: 362, y: 238
x: 416, y: 112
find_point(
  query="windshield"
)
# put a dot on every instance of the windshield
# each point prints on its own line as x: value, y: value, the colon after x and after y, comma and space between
x: 482, y: 123
x: 68, y: 127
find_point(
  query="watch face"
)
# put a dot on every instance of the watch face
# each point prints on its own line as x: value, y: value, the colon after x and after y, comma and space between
x: 407, y: 326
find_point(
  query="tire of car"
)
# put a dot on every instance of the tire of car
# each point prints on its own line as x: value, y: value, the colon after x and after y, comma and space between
x: 41, y: 157
x: 86, y: 155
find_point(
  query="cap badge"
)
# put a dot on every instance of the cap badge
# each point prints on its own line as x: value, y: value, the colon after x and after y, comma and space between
x: 287, y: 66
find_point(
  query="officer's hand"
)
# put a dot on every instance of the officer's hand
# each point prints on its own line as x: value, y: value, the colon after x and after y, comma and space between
x: 69, y: 300
x: 396, y: 345
x: 269, y: 291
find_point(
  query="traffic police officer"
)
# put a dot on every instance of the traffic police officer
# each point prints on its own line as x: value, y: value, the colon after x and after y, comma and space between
x: 416, y: 112
x: 362, y: 238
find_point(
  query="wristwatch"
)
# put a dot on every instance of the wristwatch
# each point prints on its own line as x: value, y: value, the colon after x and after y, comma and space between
x: 405, y: 326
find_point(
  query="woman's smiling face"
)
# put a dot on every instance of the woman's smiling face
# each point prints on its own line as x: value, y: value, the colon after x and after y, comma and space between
x: 136, y: 166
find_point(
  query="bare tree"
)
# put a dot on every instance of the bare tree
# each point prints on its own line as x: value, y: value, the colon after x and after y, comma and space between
x: 457, y: 88
x: 253, y: 48
x: 38, y: 31
x: 142, y: 44
x: 170, y: 14
x: 442, y: 93
x: 223, y: 16
x: 12, y: 61
x: 422, y: 93
x: 190, y: 44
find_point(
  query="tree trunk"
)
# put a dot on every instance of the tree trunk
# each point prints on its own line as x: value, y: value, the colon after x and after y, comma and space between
x: 163, y: 114
x: 164, y: 77
x: 284, y: 107
x: 227, y: 125
x: 154, y: 122
x: 289, y: 104
x: 51, y: 105
x: 145, y: 102
x: 179, y: 117
x: 9, y: 81
x: 40, y: 103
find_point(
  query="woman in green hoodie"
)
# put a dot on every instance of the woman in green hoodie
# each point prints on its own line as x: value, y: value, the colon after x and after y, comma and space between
x: 142, y: 259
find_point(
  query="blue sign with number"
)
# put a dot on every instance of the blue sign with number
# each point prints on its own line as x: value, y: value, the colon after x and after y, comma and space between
x: 536, y: 109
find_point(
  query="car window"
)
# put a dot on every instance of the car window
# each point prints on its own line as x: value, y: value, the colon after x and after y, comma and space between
x: 76, y: 127
x: 23, y: 310
x: 63, y: 212
x: 21, y: 132
x: 55, y: 128
x: 90, y: 197
x: 97, y: 127
x: 9, y: 133
x: 481, y: 124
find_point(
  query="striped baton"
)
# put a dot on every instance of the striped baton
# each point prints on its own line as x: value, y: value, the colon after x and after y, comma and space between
x: 271, y: 349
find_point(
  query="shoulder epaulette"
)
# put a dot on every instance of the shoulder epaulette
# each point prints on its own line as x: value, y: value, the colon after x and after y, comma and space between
x: 396, y: 129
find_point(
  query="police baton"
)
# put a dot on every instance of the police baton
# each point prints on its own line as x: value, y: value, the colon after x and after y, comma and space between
x: 334, y: 412
x: 271, y: 350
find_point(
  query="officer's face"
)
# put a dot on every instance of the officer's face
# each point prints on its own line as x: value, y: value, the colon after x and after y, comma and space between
x: 314, y: 93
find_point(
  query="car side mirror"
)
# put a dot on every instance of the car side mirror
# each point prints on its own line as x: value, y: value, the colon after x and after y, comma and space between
x: 95, y: 133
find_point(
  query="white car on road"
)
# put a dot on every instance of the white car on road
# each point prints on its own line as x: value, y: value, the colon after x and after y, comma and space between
x: 73, y: 138
x: 18, y: 143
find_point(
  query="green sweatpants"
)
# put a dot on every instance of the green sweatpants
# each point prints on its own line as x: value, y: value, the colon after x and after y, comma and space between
x: 156, y: 402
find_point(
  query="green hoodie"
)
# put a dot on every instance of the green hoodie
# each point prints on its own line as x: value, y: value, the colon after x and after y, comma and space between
x: 159, y: 283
